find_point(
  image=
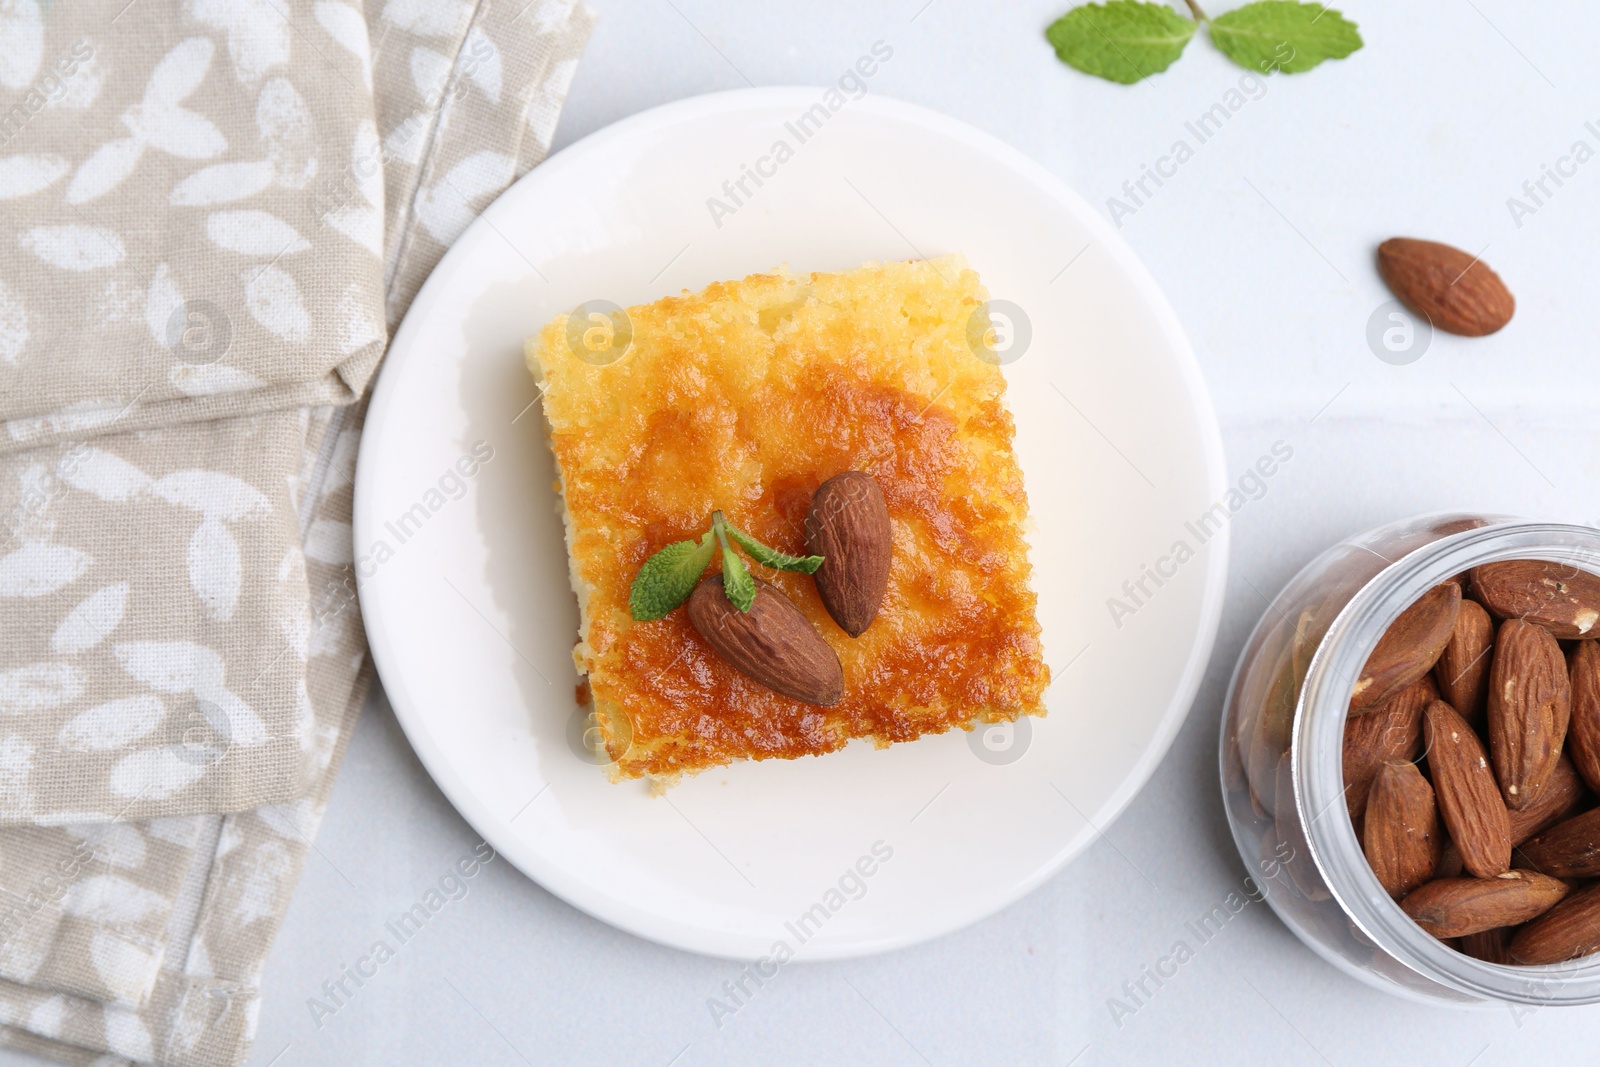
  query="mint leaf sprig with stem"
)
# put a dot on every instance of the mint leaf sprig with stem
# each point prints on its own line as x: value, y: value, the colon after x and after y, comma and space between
x: 1128, y: 40
x: 668, y: 577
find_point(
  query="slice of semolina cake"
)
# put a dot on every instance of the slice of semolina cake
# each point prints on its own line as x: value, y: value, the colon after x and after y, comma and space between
x: 745, y: 398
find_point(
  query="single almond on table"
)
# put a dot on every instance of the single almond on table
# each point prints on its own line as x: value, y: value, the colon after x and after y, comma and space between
x: 848, y: 525
x: 1409, y: 648
x: 1390, y: 731
x: 1559, y: 597
x: 1469, y: 800
x: 1569, y: 849
x: 1559, y: 800
x: 1530, y: 702
x: 1491, y: 946
x: 1456, y: 291
x: 773, y: 643
x: 1401, y: 837
x: 1463, y: 668
x: 1567, y: 931
x: 1454, y: 907
x: 1583, y: 733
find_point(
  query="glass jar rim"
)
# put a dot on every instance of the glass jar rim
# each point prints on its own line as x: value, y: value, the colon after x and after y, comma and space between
x: 1317, y: 769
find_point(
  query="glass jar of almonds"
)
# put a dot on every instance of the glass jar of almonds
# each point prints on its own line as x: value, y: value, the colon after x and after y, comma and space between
x: 1410, y: 757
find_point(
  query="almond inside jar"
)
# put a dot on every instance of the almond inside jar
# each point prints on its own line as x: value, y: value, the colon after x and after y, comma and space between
x: 1472, y: 778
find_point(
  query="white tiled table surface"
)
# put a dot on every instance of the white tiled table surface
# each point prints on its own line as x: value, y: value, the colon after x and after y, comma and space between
x: 1263, y: 242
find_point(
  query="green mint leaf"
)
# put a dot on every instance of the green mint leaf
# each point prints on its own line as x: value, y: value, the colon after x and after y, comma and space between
x: 1122, y: 40
x: 1283, y: 35
x: 736, y: 580
x: 668, y: 577
x: 771, y: 557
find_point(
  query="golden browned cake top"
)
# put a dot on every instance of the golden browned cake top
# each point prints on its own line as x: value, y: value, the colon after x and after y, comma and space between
x: 745, y: 397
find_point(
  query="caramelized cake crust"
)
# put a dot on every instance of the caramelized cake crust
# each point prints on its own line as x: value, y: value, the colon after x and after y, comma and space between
x: 746, y: 397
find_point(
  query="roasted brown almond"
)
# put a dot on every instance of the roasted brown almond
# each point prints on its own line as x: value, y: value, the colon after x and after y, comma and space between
x: 1456, y: 291
x: 1454, y: 907
x: 1559, y: 800
x: 1567, y: 931
x: 1449, y: 859
x: 1391, y: 731
x: 1463, y: 667
x: 1583, y: 734
x: 1409, y: 648
x: 772, y: 643
x: 1469, y: 801
x: 1491, y: 946
x: 1402, y: 838
x: 1569, y: 849
x: 1556, y: 596
x: 1530, y: 702
x: 848, y: 525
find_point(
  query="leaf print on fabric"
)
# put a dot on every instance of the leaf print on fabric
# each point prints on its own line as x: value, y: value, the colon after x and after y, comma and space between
x: 363, y: 224
x: 447, y: 208
x: 254, y: 233
x: 126, y: 968
x: 104, y: 171
x: 244, y: 726
x: 26, y: 175
x: 330, y: 542
x: 360, y: 326
x: 428, y: 18
x: 107, y: 476
x: 185, y: 667
x: 76, y: 248
x: 118, y: 844
x: 109, y: 899
x: 479, y: 61
x: 346, y: 25
x: 220, y: 496
x: 222, y: 183
x: 113, y: 724
x: 126, y: 1035
x: 16, y: 763
x: 91, y: 621
x: 21, y: 43
x: 48, y: 1015
x: 14, y: 331
x: 273, y: 300
x: 430, y: 72
x: 258, y: 34
x: 161, y: 301
x: 211, y: 378
x: 288, y: 131
x: 39, y: 569
x: 172, y: 666
x: 158, y: 121
x: 214, y: 570
x: 38, y: 687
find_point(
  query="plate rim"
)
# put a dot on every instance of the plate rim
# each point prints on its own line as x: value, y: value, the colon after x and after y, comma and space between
x: 583, y: 894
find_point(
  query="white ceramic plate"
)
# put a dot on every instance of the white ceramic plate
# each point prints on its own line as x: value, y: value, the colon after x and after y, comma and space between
x: 472, y: 621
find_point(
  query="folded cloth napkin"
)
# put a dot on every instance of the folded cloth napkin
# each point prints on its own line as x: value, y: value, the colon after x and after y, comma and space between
x: 214, y: 213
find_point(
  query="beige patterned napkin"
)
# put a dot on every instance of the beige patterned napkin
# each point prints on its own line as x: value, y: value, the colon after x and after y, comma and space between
x: 135, y: 916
